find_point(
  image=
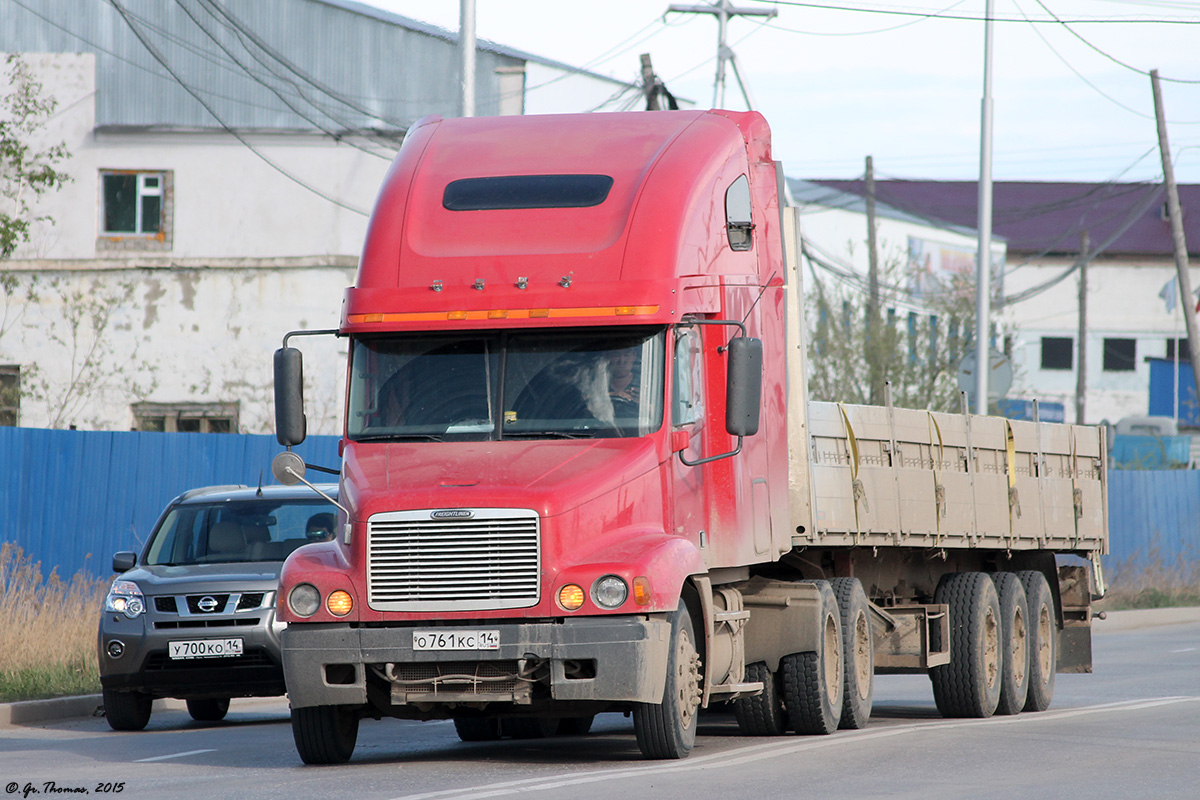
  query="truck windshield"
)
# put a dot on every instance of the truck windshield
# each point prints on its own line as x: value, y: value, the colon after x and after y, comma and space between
x: 578, y: 383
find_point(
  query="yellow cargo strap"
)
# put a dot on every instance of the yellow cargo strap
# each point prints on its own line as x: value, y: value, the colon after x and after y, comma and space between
x: 856, y: 486
x: 1014, y: 501
x: 1076, y: 492
x: 939, y: 491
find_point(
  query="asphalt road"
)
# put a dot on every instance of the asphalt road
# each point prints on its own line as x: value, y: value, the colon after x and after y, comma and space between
x: 1130, y: 730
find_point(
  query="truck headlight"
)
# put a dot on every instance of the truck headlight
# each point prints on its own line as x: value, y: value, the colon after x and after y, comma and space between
x: 304, y: 600
x: 125, y: 597
x: 609, y: 591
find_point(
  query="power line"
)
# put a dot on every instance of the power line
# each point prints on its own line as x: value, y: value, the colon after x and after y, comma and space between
x: 979, y: 17
x: 195, y: 95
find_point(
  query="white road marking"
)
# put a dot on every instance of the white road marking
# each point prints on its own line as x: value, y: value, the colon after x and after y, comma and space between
x: 1185, y: 650
x: 743, y: 755
x: 175, y: 755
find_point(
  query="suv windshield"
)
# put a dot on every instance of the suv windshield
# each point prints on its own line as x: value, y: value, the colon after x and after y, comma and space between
x: 229, y: 532
x: 502, y: 385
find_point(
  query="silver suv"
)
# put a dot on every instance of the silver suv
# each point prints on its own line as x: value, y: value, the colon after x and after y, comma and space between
x: 194, y: 616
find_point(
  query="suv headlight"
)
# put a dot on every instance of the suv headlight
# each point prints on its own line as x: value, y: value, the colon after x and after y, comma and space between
x: 125, y: 597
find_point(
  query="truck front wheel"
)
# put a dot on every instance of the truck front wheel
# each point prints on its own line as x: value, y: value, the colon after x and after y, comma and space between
x: 325, y: 734
x: 668, y: 729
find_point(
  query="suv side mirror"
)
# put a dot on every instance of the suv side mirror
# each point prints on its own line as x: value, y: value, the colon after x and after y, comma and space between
x: 124, y: 561
x: 743, y: 386
x: 290, y: 424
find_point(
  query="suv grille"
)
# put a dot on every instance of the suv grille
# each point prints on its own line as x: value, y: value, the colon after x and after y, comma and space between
x: 416, y: 562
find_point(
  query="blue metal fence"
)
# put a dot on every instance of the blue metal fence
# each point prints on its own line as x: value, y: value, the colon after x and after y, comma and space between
x: 71, y: 499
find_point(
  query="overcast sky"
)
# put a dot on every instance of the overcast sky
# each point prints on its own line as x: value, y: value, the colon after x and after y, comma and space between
x: 842, y: 79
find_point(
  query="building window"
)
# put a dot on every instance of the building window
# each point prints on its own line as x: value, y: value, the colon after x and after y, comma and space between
x: 1120, y: 355
x: 1185, y: 350
x: 1058, y: 352
x: 10, y: 396
x: 136, y: 210
x: 186, y: 417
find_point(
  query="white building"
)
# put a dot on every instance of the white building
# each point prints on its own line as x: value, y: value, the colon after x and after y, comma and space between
x: 224, y: 159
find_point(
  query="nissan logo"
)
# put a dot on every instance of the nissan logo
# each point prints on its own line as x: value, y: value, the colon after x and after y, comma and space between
x: 207, y: 604
x: 452, y: 513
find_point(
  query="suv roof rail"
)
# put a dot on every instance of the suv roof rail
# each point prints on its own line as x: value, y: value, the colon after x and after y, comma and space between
x: 190, y: 493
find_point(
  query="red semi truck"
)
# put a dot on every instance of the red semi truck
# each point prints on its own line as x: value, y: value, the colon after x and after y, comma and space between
x: 580, y: 472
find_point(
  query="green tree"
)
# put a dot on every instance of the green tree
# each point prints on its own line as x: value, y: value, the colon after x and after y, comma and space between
x: 916, y: 352
x: 27, y: 171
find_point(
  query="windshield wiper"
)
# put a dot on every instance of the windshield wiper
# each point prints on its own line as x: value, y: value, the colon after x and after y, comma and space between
x: 396, y: 437
x: 581, y: 434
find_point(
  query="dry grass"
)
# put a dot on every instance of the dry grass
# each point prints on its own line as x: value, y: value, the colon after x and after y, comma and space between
x: 1152, y: 583
x: 48, y: 637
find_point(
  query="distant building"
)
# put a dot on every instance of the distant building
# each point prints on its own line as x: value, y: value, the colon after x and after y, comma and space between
x: 1133, y: 313
x: 225, y: 158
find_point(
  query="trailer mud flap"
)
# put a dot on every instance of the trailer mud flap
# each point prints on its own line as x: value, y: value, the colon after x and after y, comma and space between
x: 1075, y: 638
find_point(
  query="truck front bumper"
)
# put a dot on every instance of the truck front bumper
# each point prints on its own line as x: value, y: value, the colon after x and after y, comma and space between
x: 615, y: 659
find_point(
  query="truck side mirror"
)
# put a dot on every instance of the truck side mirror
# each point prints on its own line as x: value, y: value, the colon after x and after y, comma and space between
x: 290, y: 425
x: 743, y: 386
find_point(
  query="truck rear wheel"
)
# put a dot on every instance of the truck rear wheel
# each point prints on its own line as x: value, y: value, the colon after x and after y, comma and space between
x: 529, y: 727
x: 763, y: 714
x: 325, y: 734
x: 858, y: 652
x: 208, y: 709
x: 1043, y: 640
x: 668, y: 729
x: 969, y: 686
x: 1014, y: 643
x: 477, y: 729
x: 127, y: 711
x: 812, y: 682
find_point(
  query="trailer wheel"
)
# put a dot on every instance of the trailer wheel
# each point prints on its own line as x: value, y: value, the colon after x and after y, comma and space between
x: 858, y: 652
x: 477, y: 729
x: 208, y: 709
x: 127, y: 711
x: 763, y: 714
x: 1043, y: 640
x: 812, y: 682
x: 325, y: 734
x: 668, y: 729
x: 1014, y: 643
x: 969, y: 686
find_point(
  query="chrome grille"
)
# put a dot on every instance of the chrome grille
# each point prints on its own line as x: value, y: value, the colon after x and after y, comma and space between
x: 417, y: 562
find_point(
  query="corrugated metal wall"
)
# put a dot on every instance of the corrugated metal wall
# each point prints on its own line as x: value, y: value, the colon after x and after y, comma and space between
x: 71, y: 499
x: 1154, y: 515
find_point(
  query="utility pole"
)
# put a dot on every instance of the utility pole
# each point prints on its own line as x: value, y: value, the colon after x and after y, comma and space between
x: 1081, y: 346
x: 1181, y: 257
x: 983, y: 270
x: 723, y: 10
x: 466, y: 54
x: 874, y: 367
x: 648, y: 84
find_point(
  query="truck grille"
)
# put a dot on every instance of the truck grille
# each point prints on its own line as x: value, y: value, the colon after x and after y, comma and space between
x: 453, y: 559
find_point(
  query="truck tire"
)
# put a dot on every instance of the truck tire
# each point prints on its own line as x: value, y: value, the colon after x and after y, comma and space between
x: 325, y: 734
x: 763, y: 714
x: 858, y: 652
x: 208, y: 709
x: 812, y: 682
x: 1043, y: 640
x: 529, y: 727
x: 1014, y: 643
x: 477, y: 729
x: 575, y: 726
x: 127, y: 711
x: 969, y: 686
x: 667, y: 730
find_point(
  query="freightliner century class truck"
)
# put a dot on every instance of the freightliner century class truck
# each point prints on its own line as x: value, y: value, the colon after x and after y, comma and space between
x: 580, y: 472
